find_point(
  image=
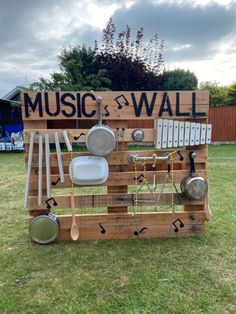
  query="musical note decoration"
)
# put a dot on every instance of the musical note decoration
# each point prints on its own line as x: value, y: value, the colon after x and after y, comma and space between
x: 139, y: 178
x: 137, y: 232
x: 103, y: 230
x: 121, y: 101
x: 55, y: 182
x: 107, y: 112
x: 181, y: 157
x: 181, y: 225
x: 77, y: 137
x: 51, y: 199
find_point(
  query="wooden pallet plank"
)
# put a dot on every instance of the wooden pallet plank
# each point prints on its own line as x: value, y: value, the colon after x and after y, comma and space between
x: 152, y: 103
x: 121, y: 199
x: 121, y: 179
x: 121, y: 157
x: 124, y: 226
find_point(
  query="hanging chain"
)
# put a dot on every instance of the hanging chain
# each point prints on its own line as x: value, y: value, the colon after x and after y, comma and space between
x: 135, y: 207
x: 172, y: 180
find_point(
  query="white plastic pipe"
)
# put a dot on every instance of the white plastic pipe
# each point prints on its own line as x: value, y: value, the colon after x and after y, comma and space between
x: 48, y: 172
x: 31, y: 149
x: 58, y: 149
x: 40, y: 170
x: 67, y: 142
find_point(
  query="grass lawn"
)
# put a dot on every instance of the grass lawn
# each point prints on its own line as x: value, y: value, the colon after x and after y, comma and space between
x: 182, y: 275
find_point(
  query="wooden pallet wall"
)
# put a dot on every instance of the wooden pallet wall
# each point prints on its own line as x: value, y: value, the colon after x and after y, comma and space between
x: 46, y: 112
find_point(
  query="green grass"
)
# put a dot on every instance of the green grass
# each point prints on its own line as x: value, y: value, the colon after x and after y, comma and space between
x: 182, y: 275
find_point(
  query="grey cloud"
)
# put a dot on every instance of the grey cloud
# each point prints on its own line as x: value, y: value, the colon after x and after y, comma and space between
x: 200, y: 26
x: 85, y: 35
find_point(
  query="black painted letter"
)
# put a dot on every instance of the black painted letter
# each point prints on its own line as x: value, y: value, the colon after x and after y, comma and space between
x: 143, y: 100
x: 69, y: 104
x: 33, y: 105
x: 56, y: 113
x: 165, y: 100
x: 194, y: 113
x: 178, y: 113
x: 85, y: 113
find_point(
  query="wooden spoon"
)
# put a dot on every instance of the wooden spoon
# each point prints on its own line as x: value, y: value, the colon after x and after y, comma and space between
x: 207, y: 210
x: 74, y: 231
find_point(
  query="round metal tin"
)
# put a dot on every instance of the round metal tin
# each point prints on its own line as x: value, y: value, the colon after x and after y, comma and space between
x: 138, y: 135
x: 44, y: 228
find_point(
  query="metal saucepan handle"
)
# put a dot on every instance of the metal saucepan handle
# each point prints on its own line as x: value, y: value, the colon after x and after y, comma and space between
x: 192, y: 156
x: 99, y: 103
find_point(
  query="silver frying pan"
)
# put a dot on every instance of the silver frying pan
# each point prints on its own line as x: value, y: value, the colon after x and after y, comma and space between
x: 193, y: 186
x: 100, y: 140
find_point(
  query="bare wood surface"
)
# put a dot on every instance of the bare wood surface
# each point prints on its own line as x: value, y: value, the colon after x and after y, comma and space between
x: 115, y: 199
x: 123, y: 226
x: 120, y: 148
x: 121, y: 178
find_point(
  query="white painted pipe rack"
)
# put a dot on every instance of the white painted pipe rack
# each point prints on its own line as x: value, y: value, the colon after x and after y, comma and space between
x: 132, y: 157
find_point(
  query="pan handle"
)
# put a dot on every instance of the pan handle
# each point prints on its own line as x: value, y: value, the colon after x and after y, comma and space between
x: 99, y: 103
x: 192, y: 156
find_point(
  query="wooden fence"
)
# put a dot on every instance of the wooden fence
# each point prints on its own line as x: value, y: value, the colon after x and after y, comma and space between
x: 223, y: 120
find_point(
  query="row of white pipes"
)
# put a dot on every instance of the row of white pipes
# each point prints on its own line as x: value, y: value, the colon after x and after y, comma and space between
x: 47, y: 162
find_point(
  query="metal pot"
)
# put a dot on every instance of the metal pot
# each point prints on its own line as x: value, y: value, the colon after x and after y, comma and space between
x: 193, y: 186
x: 44, y: 228
x: 100, y: 139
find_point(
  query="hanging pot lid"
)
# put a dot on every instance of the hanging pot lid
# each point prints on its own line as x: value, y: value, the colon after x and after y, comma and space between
x: 44, y: 228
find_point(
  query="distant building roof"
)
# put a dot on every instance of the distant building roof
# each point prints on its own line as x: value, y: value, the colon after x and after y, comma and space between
x: 14, y: 92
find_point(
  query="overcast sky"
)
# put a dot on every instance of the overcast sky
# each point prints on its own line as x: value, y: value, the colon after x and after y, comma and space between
x: 199, y: 35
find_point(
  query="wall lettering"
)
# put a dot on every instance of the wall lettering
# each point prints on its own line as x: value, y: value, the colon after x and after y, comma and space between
x: 79, y: 105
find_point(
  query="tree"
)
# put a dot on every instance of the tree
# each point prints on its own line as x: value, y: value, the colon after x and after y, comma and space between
x: 217, y: 94
x: 78, y: 72
x: 232, y: 94
x: 130, y: 64
x: 118, y: 64
x: 179, y: 80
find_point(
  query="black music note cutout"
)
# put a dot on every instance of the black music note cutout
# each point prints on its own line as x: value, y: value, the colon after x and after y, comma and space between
x: 139, y: 178
x: 102, y: 229
x: 107, y: 112
x: 181, y: 158
x: 121, y: 100
x: 180, y: 224
x: 77, y: 137
x: 55, y: 182
x: 140, y: 231
x: 50, y: 199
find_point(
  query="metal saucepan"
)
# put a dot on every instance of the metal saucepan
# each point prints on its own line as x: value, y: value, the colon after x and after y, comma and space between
x: 44, y: 228
x: 100, y: 139
x: 193, y: 186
